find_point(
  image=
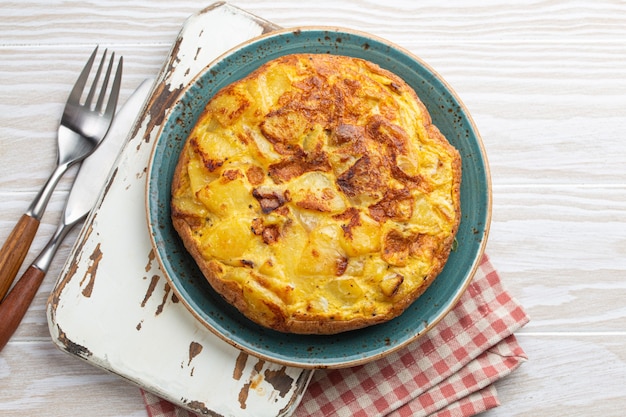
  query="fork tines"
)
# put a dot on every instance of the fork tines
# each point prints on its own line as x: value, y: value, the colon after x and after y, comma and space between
x: 78, y: 88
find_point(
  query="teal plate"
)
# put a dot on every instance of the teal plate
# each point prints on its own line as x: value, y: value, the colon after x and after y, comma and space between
x: 349, y: 348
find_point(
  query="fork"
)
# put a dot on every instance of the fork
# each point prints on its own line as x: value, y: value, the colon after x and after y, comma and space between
x: 82, y: 128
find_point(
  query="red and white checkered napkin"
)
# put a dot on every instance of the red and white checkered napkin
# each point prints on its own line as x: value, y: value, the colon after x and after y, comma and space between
x: 448, y: 372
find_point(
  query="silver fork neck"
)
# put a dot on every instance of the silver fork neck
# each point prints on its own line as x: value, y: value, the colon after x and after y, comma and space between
x: 44, y: 260
x: 72, y: 148
x: 38, y: 206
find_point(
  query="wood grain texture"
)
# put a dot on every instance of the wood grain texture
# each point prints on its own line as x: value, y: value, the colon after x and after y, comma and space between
x: 38, y: 380
x: 16, y: 303
x: 545, y: 82
x: 14, y: 250
x: 573, y: 375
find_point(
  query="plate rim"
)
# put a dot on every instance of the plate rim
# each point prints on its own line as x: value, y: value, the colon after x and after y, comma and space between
x: 277, y: 357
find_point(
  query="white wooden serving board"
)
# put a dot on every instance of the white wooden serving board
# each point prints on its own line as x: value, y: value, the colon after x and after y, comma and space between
x: 112, y: 306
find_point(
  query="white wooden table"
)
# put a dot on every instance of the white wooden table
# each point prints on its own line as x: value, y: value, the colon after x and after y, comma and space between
x: 546, y: 85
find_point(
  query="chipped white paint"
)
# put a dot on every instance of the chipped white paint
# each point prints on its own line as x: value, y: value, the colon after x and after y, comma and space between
x: 113, y: 307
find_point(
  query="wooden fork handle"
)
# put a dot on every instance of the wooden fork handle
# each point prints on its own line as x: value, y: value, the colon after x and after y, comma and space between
x: 15, y: 249
x: 14, y: 306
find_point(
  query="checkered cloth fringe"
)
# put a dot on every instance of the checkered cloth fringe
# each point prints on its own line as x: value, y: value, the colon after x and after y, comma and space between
x: 448, y: 372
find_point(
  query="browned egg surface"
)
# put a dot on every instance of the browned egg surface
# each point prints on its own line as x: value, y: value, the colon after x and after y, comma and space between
x: 316, y: 196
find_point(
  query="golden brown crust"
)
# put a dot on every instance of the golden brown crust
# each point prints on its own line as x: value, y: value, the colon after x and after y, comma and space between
x: 316, y: 195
